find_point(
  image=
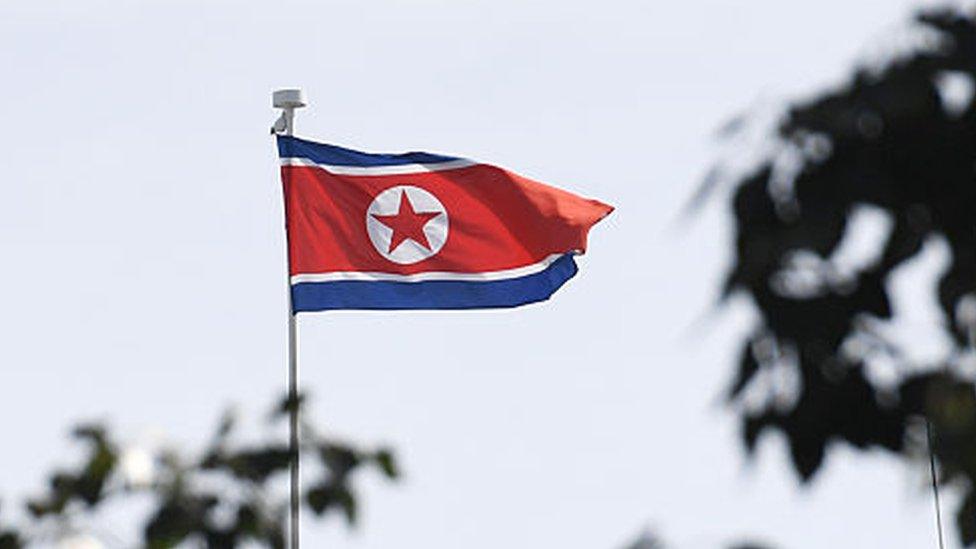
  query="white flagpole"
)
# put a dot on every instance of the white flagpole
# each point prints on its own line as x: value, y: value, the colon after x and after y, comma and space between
x: 289, y: 100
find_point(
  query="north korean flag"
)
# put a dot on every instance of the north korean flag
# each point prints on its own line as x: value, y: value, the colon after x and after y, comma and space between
x: 423, y: 231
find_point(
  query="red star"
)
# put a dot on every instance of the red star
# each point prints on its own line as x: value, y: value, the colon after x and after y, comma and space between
x: 407, y: 224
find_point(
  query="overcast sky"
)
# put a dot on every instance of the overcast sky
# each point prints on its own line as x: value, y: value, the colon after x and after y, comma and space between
x: 144, y: 278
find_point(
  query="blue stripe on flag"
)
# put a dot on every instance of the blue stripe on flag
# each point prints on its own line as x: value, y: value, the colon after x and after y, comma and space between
x: 433, y: 294
x: 320, y: 153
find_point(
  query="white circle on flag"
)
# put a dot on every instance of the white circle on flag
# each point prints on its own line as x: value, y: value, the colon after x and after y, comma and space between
x: 407, y: 224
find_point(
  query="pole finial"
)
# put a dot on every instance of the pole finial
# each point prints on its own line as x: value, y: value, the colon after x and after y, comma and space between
x: 287, y: 100
x: 290, y: 98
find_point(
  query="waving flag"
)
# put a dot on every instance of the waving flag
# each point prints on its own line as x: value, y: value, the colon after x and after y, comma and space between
x: 423, y: 231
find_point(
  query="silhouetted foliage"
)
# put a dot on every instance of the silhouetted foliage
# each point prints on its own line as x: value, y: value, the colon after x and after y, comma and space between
x: 222, y: 499
x: 10, y: 539
x: 899, y: 140
x: 649, y: 540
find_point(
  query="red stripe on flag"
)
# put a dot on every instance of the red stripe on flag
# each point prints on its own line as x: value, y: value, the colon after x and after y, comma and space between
x: 497, y: 220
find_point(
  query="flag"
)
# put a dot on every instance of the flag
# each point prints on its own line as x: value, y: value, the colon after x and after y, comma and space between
x: 423, y: 231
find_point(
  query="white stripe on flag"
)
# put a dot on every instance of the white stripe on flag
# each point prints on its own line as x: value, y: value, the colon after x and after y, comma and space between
x: 506, y: 274
x: 381, y: 170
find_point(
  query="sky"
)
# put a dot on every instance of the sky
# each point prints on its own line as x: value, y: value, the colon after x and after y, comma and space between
x: 144, y: 276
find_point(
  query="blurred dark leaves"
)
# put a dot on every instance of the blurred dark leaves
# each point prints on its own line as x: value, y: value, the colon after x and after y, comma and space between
x: 88, y: 484
x: 650, y: 540
x: 10, y: 539
x: 223, y: 499
x: 890, y: 140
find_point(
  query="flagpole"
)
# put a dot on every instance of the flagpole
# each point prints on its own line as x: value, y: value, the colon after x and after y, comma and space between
x: 935, y: 482
x: 288, y: 100
x: 293, y: 446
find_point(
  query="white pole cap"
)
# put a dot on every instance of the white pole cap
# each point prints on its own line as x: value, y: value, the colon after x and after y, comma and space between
x: 288, y: 99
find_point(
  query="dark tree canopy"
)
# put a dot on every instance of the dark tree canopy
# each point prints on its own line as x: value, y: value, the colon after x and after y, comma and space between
x: 892, y: 139
x: 221, y: 498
